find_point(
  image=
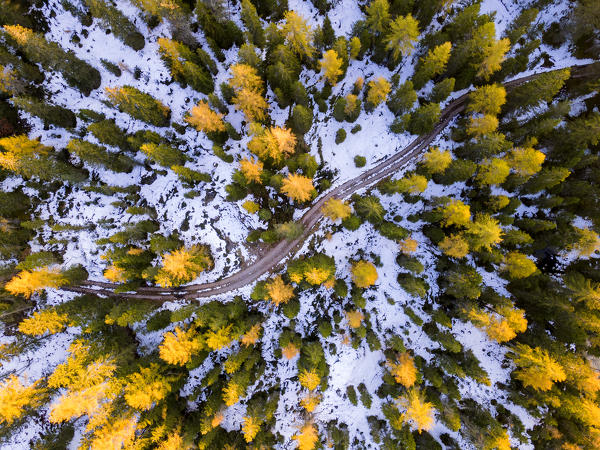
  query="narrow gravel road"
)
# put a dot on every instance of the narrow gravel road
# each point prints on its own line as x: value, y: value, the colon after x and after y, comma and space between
x: 279, y: 252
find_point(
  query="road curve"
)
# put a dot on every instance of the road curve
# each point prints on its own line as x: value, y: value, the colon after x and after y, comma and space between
x: 280, y: 251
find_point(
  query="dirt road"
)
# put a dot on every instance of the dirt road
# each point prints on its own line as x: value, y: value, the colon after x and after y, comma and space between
x: 279, y: 252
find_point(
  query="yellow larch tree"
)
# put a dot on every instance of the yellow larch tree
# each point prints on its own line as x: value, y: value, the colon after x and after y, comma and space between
x: 250, y: 428
x: 404, y: 32
x: 494, y: 55
x: 28, y: 282
x: 310, y: 401
x: 378, y: 91
x: 526, y: 161
x: 331, y: 66
x: 309, y: 379
x: 183, y: 265
x: 484, y: 232
x: 355, y: 318
x: 403, y: 370
x: 307, y: 437
x: 588, y: 241
x: 115, y: 274
x: 203, y: 118
x: 115, y: 434
x: 352, y: 103
x: 248, y: 87
x: 251, y: 336
x: 290, y: 351
x: 418, y: 413
x: 279, y: 291
x: 336, y: 209
x: 232, y: 393
x: 487, y: 99
x: 454, y: 246
x: 536, y: 368
x: 22, y: 155
x: 492, y: 172
x: 435, y: 61
x: 499, y: 441
x: 480, y: 126
x: 413, y: 184
x: 42, y: 322
x: 178, y: 346
x: 275, y: 143
x: 298, y: 187
x: 15, y: 398
x: 221, y: 338
x: 251, y: 169
x: 364, y: 274
x: 408, y: 246
x: 518, y: 265
x: 146, y: 387
x: 298, y: 34
x: 436, y: 160
x: 245, y: 77
x: 455, y: 212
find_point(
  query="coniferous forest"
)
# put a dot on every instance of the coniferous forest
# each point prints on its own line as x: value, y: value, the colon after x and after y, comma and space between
x: 311, y: 224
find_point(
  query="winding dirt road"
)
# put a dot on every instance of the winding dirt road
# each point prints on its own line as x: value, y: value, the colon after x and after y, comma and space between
x: 278, y: 253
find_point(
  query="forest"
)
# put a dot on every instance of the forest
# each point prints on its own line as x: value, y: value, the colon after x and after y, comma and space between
x: 300, y: 224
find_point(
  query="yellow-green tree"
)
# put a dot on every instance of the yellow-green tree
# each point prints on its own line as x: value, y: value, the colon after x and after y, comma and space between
x: 518, y: 265
x: 178, y: 346
x: 455, y: 246
x: 273, y: 143
x: 526, y: 161
x: 298, y: 34
x: 536, y: 368
x: 298, y: 187
x: 484, y: 232
x: 22, y: 155
x: 251, y: 169
x: 378, y: 16
x: 494, y: 54
x: 404, y: 32
x: 436, y: 160
x: 480, y: 126
x: 434, y: 63
x: 487, y: 99
x: 42, y: 322
x: 455, y: 212
x: 378, y: 91
x: 587, y: 243
x: 492, y: 172
x: 364, y: 274
x: 331, y: 66
x: 336, y: 209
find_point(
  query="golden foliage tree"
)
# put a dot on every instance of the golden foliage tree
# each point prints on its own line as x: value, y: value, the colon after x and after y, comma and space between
x: 307, y: 437
x: 42, y: 322
x: 331, y: 66
x: 279, y: 292
x: 248, y: 88
x: 178, y: 346
x: 403, y: 370
x: 250, y: 428
x: 492, y: 172
x: 417, y: 412
x: 275, y: 143
x: 526, y: 161
x: 435, y: 61
x: 203, y: 118
x: 221, y: 338
x: 378, y: 91
x: 355, y: 318
x: 28, y: 282
x: 15, y: 398
x: 378, y: 15
x: 519, y: 265
x: 487, y: 99
x: 310, y: 401
x: 536, y: 368
x: 455, y: 212
x: 588, y: 241
x: 404, y: 32
x: 455, y: 246
x: 480, y: 126
x: 436, y: 160
x: 309, y: 379
x: 22, y: 155
x: 251, y: 336
x: 364, y: 274
x: 408, y: 246
x: 146, y: 387
x: 251, y: 169
x: 298, y: 34
x: 183, y: 265
x: 494, y: 55
x: 290, y: 351
x: 115, y: 274
x: 336, y: 209
x: 298, y: 187
x: 484, y: 232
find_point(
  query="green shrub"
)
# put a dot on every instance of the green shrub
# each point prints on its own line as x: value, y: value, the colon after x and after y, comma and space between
x: 340, y: 136
x: 360, y: 161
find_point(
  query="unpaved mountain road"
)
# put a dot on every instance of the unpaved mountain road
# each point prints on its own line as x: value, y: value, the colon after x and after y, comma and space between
x: 280, y: 251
